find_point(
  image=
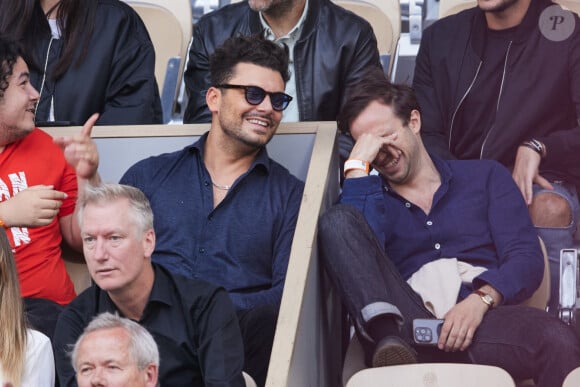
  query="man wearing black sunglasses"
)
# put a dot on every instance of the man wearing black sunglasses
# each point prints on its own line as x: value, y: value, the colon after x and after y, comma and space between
x: 255, y: 95
x: 224, y: 211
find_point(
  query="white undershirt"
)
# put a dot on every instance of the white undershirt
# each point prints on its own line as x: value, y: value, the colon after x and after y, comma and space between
x: 291, y: 114
x: 56, y: 34
x: 38, y: 363
x: 54, y: 28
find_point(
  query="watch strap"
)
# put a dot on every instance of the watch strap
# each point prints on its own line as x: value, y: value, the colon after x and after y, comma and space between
x: 486, y: 298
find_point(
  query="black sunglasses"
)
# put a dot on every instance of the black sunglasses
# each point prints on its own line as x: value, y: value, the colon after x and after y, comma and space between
x: 255, y: 95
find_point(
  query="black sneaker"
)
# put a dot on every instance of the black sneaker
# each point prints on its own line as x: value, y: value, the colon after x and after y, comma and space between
x: 393, y: 350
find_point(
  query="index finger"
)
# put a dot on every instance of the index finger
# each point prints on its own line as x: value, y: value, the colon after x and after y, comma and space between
x: 88, y: 126
x: 543, y: 182
x: 444, y: 333
x: 54, y: 195
x: 40, y: 187
x: 390, y: 135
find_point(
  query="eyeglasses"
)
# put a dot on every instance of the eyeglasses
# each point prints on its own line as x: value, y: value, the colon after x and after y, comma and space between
x: 255, y: 95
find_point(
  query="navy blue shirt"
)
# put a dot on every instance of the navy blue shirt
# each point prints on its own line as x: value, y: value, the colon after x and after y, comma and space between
x: 243, y: 244
x: 193, y: 323
x: 478, y: 216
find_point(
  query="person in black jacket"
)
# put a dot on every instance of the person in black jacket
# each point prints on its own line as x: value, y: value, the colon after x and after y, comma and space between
x: 330, y: 49
x: 502, y: 81
x: 85, y: 57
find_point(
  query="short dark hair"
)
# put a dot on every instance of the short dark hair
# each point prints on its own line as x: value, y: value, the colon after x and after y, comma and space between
x: 254, y: 49
x: 374, y: 86
x: 9, y: 54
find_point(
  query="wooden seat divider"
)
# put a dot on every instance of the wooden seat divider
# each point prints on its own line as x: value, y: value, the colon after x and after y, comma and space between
x: 306, y: 351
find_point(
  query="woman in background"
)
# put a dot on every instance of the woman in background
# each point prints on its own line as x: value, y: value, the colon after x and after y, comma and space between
x: 26, y: 357
x: 85, y: 57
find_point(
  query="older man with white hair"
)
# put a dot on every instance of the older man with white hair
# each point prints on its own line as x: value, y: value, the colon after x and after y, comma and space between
x: 115, y: 351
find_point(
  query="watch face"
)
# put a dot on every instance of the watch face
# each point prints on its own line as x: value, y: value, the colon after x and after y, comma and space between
x: 489, y: 299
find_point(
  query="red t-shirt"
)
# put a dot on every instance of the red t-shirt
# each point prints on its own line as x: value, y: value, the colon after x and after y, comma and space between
x: 35, y: 160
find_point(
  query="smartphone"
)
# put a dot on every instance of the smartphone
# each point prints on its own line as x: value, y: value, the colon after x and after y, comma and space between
x: 426, y: 330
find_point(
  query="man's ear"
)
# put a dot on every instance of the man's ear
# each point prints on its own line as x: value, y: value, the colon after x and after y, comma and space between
x: 151, y: 375
x: 149, y: 242
x: 415, y: 121
x: 213, y: 98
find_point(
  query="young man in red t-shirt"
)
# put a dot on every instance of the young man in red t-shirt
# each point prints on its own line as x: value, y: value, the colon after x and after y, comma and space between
x: 39, y: 185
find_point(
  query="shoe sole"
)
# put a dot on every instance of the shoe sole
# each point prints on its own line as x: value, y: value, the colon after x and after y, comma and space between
x: 394, y: 354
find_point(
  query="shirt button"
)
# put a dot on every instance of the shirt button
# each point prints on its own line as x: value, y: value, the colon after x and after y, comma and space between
x: 408, y: 205
x: 202, y: 250
x: 437, y: 246
x: 206, y: 183
x: 429, y: 223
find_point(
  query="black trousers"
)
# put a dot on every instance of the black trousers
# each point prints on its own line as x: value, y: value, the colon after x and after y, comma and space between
x: 258, y: 326
x: 42, y: 314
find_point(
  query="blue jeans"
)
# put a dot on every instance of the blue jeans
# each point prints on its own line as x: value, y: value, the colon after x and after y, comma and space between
x: 526, y: 342
x: 557, y: 238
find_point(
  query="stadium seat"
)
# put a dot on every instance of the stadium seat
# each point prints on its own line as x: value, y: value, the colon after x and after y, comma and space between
x: 170, y: 27
x: 450, y: 7
x: 432, y: 374
x: 573, y: 379
x: 541, y: 296
x: 249, y: 380
x: 79, y: 275
x: 572, y: 5
x: 385, y: 18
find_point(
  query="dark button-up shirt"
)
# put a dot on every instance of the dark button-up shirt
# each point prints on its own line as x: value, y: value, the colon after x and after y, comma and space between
x: 243, y: 244
x: 478, y: 216
x: 193, y: 323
